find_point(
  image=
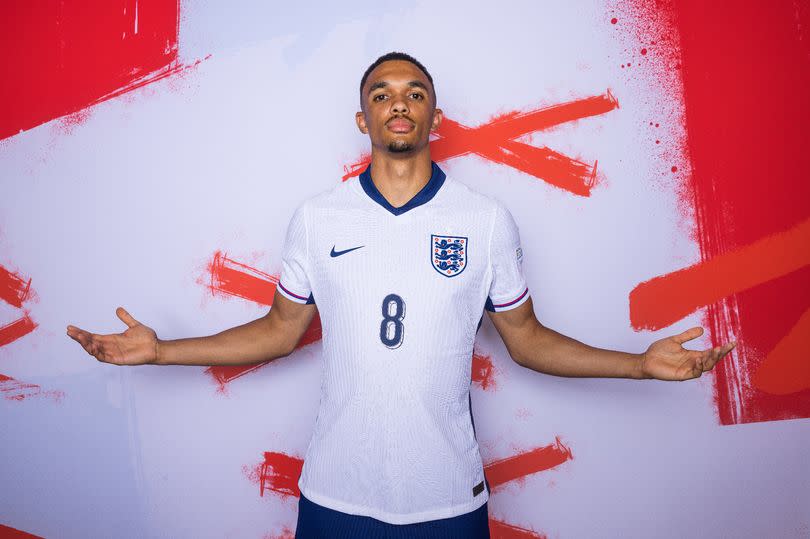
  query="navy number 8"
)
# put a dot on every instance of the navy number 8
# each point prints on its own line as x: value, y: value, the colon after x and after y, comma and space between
x: 391, y: 329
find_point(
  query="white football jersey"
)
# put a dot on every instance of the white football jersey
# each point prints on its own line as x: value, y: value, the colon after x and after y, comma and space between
x: 401, y: 293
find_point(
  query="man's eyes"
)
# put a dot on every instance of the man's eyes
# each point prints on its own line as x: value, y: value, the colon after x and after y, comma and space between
x: 415, y: 95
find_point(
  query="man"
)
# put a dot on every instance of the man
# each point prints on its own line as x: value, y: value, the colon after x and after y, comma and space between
x: 401, y: 263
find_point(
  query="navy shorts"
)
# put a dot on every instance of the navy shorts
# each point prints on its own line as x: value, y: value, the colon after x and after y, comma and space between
x: 318, y: 522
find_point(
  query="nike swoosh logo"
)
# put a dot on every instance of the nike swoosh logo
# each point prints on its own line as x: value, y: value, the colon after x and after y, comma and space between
x: 334, y: 253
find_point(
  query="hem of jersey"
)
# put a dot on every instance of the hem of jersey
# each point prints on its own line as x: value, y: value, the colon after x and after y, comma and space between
x: 518, y: 301
x: 290, y: 295
x: 396, y: 518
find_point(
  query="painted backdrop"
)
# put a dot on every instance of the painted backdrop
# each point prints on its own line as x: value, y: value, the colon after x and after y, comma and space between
x: 653, y: 155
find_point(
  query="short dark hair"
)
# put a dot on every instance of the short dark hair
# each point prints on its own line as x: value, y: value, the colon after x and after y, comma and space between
x: 394, y: 55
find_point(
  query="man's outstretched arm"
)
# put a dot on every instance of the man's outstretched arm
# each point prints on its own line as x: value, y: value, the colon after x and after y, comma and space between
x: 271, y: 336
x: 541, y: 349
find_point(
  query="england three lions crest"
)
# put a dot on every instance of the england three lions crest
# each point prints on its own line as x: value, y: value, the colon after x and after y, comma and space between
x: 448, y: 254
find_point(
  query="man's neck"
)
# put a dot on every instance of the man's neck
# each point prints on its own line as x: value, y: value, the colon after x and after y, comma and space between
x: 399, y: 179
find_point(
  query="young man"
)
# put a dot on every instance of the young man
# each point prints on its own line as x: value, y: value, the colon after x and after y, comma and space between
x: 401, y: 263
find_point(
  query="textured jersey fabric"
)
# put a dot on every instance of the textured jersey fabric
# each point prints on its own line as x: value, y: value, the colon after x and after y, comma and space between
x: 400, y: 293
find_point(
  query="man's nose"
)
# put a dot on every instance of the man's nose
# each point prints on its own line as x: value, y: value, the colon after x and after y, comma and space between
x: 399, y: 106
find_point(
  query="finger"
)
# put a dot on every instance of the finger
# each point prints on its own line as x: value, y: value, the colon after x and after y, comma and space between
x: 688, y: 335
x: 722, y: 351
x: 126, y: 317
x: 80, y: 336
x: 86, y: 340
x: 93, y: 344
x: 73, y: 330
x: 700, y: 365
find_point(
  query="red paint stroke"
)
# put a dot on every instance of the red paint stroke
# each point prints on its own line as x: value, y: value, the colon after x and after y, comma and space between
x: 501, y: 530
x: 7, y: 532
x: 236, y: 279
x: 529, y: 462
x: 664, y: 300
x: 278, y: 472
x: 748, y: 149
x: 16, y: 390
x: 233, y: 278
x: 14, y: 289
x: 63, y: 57
x: 14, y: 330
x: 483, y: 371
x: 786, y: 369
x: 495, y: 141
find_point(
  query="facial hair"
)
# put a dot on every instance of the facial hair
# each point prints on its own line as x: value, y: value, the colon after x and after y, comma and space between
x: 399, y: 146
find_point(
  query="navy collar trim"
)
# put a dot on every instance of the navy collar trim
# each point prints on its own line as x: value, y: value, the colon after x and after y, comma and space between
x: 437, y: 177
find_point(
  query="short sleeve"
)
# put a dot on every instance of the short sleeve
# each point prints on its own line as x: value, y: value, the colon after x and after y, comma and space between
x: 294, y: 282
x: 508, y: 288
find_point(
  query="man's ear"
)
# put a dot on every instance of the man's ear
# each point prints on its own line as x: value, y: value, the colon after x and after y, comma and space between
x: 438, y: 116
x: 360, y: 118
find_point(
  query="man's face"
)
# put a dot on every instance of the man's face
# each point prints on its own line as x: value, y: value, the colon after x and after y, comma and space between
x: 398, y: 108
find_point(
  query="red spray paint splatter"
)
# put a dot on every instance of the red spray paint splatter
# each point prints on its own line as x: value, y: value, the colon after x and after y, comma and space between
x: 66, y: 56
x: 280, y: 472
x: 527, y: 463
x: 501, y: 530
x: 16, y: 329
x: 286, y: 533
x: 747, y: 151
x: 495, y: 141
x: 15, y: 290
x: 483, y: 372
x: 16, y: 390
x: 11, y: 533
x: 233, y: 278
x: 662, y: 301
x: 236, y: 279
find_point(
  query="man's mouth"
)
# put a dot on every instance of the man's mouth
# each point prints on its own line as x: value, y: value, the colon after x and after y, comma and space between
x: 399, y: 125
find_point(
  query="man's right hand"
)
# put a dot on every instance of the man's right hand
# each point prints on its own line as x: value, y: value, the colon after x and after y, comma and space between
x: 135, y: 346
x: 269, y: 337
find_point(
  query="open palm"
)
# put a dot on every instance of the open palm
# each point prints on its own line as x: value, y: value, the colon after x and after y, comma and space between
x: 135, y: 346
x: 667, y: 359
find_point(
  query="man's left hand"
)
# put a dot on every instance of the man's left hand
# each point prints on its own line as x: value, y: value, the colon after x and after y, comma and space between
x: 667, y: 359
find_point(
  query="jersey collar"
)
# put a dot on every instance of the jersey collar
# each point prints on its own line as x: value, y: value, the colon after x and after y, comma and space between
x: 430, y: 189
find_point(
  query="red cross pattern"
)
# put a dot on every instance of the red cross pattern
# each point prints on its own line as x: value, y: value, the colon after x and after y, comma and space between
x: 16, y: 291
x: 279, y: 473
x: 496, y: 142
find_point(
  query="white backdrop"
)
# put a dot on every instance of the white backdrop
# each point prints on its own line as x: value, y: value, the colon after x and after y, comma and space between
x: 129, y: 206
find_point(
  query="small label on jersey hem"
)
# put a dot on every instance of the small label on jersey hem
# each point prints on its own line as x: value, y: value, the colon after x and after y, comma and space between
x: 478, y: 489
